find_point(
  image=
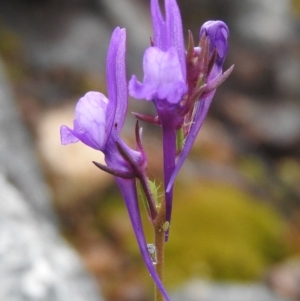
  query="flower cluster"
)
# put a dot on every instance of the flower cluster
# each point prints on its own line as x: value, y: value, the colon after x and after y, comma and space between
x: 181, y: 83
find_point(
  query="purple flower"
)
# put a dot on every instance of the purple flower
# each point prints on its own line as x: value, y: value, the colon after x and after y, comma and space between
x: 213, y: 52
x: 98, y: 120
x: 90, y: 122
x: 164, y: 82
x: 164, y: 63
x: 180, y: 83
x: 97, y: 123
x: 168, y: 33
x: 218, y: 34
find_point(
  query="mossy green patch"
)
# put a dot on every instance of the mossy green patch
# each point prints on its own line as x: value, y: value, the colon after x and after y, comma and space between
x: 11, y: 52
x: 221, y: 232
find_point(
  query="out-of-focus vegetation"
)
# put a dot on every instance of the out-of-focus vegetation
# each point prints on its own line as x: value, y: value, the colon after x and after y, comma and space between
x: 221, y: 232
x: 11, y: 52
x: 218, y: 232
x: 296, y: 7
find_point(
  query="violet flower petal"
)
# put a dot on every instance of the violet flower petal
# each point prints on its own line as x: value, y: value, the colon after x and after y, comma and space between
x: 163, y: 78
x: 218, y: 34
x: 175, y: 32
x: 128, y: 189
x: 97, y: 124
x: 116, y: 80
x: 95, y: 115
x: 115, y: 159
x: 168, y: 32
x: 67, y: 136
x: 166, y: 93
x: 159, y: 27
x: 90, y: 122
x: 169, y: 153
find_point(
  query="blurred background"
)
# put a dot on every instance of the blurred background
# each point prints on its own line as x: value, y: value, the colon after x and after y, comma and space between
x: 237, y: 199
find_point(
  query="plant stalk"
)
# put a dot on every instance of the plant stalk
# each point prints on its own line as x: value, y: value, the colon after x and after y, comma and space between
x: 159, y: 240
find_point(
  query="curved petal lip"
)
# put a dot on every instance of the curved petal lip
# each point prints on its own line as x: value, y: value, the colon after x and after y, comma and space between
x: 89, y: 125
x: 139, y: 90
x: 67, y: 136
x: 163, y: 78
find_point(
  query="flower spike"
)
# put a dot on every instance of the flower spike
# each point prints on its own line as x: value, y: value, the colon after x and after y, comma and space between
x: 98, y: 122
x: 181, y: 84
x: 164, y: 82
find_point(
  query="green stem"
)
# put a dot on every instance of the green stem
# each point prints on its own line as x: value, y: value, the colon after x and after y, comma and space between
x: 159, y: 239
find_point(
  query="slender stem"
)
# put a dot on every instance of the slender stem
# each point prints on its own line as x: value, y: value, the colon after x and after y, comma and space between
x: 159, y: 239
x: 169, y: 153
x: 170, y: 121
x: 159, y: 243
x: 151, y: 203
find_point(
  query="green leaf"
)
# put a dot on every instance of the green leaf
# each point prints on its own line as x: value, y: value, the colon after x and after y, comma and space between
x: 179, y: 140
x: 142, y: 196
x: 154, y: 189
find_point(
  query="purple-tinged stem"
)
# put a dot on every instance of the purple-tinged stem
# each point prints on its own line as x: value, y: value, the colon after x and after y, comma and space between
x: 169, y: 154
x: 200, y: 114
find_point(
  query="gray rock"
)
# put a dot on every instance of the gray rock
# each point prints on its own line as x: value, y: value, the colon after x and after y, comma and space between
x: 135, y: 17
x: 285, y: 278
x: 54, y: 34
x: 17, y: 160
x: 81, y: 46
x: 287, y: 72
x: 35, y: 262
x: 203, y: 291
x: 75, y: 35
x: 276, y: 124
x: 265, y: 21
